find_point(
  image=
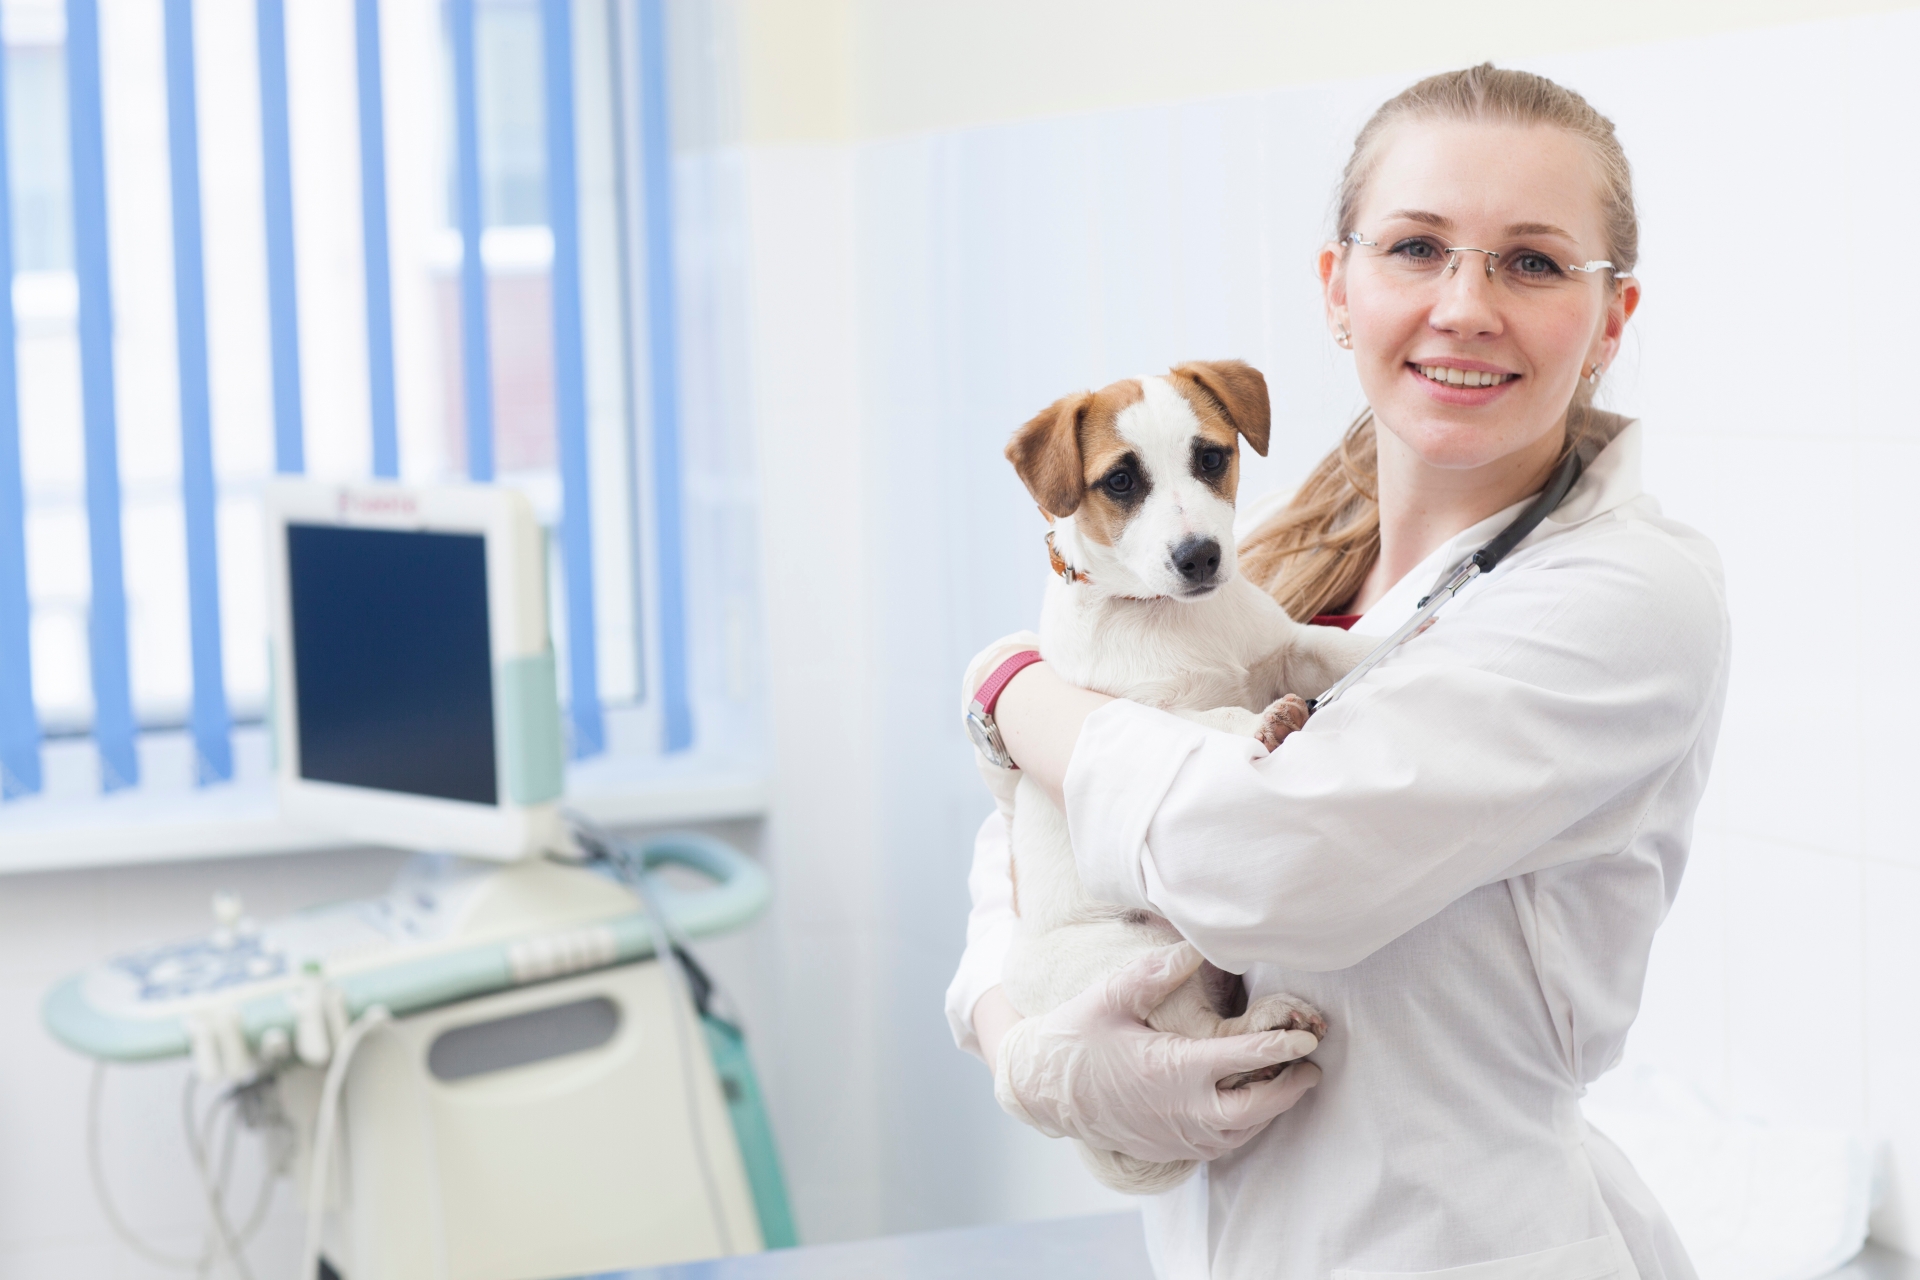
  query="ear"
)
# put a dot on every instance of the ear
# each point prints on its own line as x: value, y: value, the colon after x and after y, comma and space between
x: 1046, y: 454
x: 1241, y: 390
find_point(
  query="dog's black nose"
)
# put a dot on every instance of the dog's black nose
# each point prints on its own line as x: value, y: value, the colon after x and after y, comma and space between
x: 1197, y: 559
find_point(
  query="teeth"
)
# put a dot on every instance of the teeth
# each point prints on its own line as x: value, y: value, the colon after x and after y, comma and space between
x: 1464, y: 377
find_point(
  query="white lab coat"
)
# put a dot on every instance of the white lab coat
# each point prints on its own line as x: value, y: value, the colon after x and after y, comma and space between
x: 1462, y: 863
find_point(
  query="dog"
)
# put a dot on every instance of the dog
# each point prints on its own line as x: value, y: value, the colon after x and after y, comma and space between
x: 1137, y: 482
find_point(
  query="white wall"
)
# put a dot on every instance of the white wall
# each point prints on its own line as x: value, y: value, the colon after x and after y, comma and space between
x: 918, y: 296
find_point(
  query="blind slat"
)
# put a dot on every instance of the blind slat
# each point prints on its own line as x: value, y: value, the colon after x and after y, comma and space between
x: 19, y: 722
x: 283, y: 298
x: 373, y: 232
x: 113, y: 727
x: 663, y: 361
x: 476, y: 363
x: 570, y: 383
x: 209, y: 721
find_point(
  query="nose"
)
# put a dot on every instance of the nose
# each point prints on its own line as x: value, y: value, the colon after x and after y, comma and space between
x: 1468, y: 304
x: 1198, y: 560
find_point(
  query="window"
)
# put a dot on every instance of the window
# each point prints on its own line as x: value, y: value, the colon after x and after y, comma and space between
x: 335, y: 335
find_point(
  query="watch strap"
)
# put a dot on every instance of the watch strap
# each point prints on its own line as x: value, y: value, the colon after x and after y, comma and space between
x: 989, y: 692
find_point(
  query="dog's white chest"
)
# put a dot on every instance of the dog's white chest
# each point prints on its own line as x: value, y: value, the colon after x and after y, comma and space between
x: 1176, y: 655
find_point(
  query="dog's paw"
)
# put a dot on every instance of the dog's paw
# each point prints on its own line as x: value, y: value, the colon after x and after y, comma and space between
x: 1283, y: 1013
x: 1282, y: 718
x: 1272, y: 1013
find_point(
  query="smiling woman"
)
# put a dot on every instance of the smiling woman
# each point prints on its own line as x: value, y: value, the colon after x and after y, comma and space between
x: 1532, y: 170
x: 1462, y: 863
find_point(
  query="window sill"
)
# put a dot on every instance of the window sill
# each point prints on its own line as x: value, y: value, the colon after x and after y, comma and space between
x: 240, y: 819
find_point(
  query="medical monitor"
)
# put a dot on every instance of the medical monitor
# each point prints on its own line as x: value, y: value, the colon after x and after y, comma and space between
x: 414, y: 700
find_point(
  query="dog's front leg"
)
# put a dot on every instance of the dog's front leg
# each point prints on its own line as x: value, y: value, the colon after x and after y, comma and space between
x: 1270, y: 726
x: 1236, y: 720
x: 1308, y: 662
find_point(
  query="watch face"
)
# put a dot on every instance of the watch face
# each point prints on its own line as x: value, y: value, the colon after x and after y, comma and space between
x: 986, y: 736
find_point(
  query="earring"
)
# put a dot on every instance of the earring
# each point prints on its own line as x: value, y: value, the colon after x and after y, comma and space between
x: 1342, y: 337
x: 1593, y: 375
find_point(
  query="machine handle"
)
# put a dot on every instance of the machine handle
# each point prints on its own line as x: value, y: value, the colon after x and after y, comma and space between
x: 741, y: 892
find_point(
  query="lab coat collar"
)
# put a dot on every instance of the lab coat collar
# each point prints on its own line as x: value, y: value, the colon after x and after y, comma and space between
x: 1610, y: 480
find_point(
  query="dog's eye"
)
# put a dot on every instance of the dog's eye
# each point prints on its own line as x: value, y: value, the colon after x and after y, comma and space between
x: 1120, y: 483
x: 1213, y: 461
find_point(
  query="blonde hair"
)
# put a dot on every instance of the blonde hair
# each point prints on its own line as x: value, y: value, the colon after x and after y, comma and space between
x: 1313, y: 555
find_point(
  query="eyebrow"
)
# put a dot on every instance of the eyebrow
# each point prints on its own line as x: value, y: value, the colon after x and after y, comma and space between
x: 1537, y: 229
x: 1440, y: 222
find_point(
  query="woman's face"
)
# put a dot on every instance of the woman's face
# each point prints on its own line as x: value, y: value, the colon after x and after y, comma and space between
x: 1423, y: 331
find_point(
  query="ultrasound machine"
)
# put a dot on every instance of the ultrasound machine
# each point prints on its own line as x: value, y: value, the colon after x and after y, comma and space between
x: 509, y: 1066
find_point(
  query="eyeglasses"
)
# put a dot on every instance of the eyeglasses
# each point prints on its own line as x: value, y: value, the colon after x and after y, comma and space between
x: 1416, y: 258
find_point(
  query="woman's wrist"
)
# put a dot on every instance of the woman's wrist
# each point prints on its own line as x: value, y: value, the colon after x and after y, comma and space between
x: 993, y: 1016
x: 1040, y: 717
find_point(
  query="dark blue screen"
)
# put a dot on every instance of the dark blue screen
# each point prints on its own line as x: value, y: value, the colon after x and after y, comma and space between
x: 393, y: 665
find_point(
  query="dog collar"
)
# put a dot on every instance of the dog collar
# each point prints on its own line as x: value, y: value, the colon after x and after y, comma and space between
x: 1060, y: 566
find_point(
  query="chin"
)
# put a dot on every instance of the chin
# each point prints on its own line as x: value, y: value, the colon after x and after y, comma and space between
x: 1455, y: 445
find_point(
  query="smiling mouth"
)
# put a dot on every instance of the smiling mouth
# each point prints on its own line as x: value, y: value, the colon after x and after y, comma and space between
x: 1451, y: 377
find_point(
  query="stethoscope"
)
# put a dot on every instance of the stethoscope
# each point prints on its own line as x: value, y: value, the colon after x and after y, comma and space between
x: 1449, y: 583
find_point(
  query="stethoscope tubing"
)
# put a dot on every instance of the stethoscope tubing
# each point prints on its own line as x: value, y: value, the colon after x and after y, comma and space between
x: 1459, y: 575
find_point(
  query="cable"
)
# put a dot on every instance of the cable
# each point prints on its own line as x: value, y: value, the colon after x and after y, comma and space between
x: 374, y: 1018
x: 632, y: 869
x: 96, y: 1172
x: 210, y: 1188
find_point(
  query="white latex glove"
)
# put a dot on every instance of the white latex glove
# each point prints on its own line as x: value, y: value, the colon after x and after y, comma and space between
x: 1002, y: 782
x: 1093, y: 1069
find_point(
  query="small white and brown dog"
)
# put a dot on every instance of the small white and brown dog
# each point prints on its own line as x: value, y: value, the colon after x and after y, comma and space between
x: 1138, y: 482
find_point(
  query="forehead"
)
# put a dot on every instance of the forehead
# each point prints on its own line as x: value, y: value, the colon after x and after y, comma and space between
x: 1143, y: 415
x: 1485, y: 176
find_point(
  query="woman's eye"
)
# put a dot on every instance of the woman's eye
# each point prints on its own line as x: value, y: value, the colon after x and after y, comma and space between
x: 1417, y: 250
x: 1212, y: 460
x: 1120, y: 482
x: 1536, y: 264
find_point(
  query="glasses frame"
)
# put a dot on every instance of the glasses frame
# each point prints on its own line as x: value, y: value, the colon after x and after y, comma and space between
x: 1453, y: 253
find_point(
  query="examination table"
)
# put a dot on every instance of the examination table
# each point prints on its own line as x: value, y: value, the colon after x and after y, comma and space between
x: 1107, y: 1247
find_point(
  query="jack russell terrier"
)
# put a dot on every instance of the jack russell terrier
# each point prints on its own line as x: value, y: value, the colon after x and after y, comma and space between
x: 1138, y: 483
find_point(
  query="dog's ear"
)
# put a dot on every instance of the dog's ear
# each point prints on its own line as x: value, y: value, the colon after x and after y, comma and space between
x: 1241, y: 390
x: 1046, y: 454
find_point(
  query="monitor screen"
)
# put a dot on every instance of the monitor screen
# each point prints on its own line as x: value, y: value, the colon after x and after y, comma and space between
x: 392, y: 660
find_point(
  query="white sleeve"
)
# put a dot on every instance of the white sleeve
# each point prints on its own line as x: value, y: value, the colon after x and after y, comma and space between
x: 1532, y: 725
x: 989, y: 929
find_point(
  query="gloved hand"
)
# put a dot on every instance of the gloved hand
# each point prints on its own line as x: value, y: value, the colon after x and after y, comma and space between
x: 1092, y: 1069
x: 1002, y: 782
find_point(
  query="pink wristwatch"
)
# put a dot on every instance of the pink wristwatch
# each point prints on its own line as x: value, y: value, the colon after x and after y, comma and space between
x: 980, y: 726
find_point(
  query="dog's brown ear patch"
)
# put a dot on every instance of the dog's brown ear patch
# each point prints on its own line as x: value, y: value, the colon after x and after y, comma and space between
x: 1241, y: 391
x: 1046, y: 454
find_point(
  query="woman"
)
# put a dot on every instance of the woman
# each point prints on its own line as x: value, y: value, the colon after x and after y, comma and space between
x: 1463, y: 861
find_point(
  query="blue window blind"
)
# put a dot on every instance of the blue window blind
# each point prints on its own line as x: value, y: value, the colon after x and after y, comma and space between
x: 373, y: 235
x: 663, y: 329
x: 570, y: 381
x: 212, y: 743
x: 19, y: 721
x: 475, y: 360
x: 283, y: 303
x: 113, y: 726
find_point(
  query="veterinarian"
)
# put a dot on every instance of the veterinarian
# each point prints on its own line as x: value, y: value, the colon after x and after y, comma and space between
x: 1462, y: 861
